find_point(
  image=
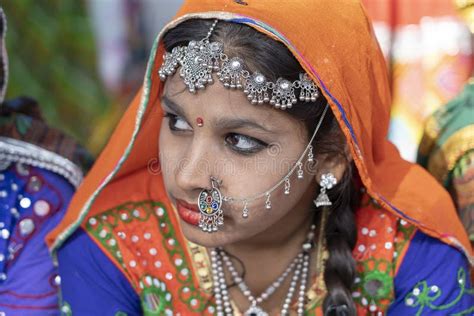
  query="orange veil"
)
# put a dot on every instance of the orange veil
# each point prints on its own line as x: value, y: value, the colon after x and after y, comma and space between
x: 335, y: 44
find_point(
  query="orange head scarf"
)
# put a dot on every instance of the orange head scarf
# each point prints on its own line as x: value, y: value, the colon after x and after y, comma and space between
x: 335, y: 44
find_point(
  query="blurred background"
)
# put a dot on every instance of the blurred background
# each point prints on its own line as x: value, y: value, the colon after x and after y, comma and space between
x: 83, y: 61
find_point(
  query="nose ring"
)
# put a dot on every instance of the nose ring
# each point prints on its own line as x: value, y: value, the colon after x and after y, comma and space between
x: 210, y: 203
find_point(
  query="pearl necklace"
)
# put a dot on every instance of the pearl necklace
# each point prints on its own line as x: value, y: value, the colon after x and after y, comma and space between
x: 300, y: 265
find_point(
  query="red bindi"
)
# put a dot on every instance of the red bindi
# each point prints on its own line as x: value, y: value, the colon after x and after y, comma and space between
x: 200, y: 121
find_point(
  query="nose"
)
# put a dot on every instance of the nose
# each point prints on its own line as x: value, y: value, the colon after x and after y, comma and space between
x: 194, y: 172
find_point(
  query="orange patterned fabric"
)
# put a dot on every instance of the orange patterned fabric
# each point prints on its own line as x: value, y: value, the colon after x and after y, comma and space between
x: 382, y: 240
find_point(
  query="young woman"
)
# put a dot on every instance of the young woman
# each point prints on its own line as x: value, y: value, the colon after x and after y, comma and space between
x: 252, y: 175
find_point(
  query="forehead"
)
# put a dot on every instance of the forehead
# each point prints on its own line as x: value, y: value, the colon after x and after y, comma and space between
x: 217, y: 101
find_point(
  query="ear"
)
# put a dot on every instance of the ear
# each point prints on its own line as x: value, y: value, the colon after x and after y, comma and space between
x: 335, y: 164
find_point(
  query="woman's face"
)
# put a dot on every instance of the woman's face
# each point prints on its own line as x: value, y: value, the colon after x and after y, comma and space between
x: 248, y: 147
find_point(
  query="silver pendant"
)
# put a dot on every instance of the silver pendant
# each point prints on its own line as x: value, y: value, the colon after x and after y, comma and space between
x: 322, y: 199
x: 256, y: 89
x: 170, y: 63
x: 210, y: 203
x: 283, y: 96
x: 328, y: 181
x: 254, y: 310
x: 309, y: 91
x: 231, y: 73
x: 196, y: 70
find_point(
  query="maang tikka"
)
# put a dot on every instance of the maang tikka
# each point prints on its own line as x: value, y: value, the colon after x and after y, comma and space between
x: 200, y: 59
x: 210, y: 203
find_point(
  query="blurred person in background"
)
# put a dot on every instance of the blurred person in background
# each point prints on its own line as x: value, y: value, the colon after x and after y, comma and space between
x: 40, y: 168
x: 447, y: 147
x: 429, y: 57
x: 55, y: 62
x: 447, y: 152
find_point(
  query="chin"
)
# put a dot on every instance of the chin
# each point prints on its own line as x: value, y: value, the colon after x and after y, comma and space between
x: 209, y: 240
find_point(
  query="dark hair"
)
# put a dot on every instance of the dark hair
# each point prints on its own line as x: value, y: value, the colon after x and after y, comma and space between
x: 274, y: 60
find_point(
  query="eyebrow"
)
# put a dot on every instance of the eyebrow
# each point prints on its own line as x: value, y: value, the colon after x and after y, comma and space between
x: 222, y: 123
x: 173, y: 106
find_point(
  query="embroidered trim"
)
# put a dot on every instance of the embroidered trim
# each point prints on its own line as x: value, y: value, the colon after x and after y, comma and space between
x: 201, y: 266
x: 13, y: 150
x: 106, y: 229
x: 66, y: 309
x: 155, y: 297
x: 405, y: 234
x: 424, y: 296
x: 374, y: 284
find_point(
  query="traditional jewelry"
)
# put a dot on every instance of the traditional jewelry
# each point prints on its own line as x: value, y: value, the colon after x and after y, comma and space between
x: 199, y: 121
x: 328, y: 181
x: 300, y: 266
x: 209, y: 203
x: 245, y: 201
x: 254, y: 309
x: 200, y: 59
x: 204, y: 202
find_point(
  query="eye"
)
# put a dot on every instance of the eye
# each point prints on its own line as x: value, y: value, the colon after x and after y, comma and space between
x: 177, y: 123
x: 244, y: 144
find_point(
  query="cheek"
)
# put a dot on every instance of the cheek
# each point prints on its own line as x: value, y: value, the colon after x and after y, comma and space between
x: 281, y: 204
x: 252, y: 176
x: 169, y: 153
x: 259, y: 175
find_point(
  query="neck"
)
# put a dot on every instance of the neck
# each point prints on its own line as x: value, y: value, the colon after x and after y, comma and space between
x: 283, y: 237
x: 261, y: 259
x: 266, y: 256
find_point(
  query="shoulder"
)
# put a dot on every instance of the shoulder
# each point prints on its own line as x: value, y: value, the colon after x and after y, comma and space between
x: 432, y: 279
x: 144, y: 242
x: 395, y: 261
x: 91, y: 283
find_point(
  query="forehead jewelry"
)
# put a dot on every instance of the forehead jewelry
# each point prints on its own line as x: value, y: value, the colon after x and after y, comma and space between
x: 209, y: 203
x: 200, y: 59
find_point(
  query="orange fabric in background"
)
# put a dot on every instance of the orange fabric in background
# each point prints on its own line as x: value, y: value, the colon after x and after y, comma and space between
x: 341, y: 54
x: 403, y: 12
x: 428, y: 49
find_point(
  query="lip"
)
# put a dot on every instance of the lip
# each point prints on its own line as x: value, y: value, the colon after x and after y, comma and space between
x: 189, y: 206
x: 188, y: 212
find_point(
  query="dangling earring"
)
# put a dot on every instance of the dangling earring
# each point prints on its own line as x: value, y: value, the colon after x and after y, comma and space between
x: 328, y: 181
x: 210, y: 202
